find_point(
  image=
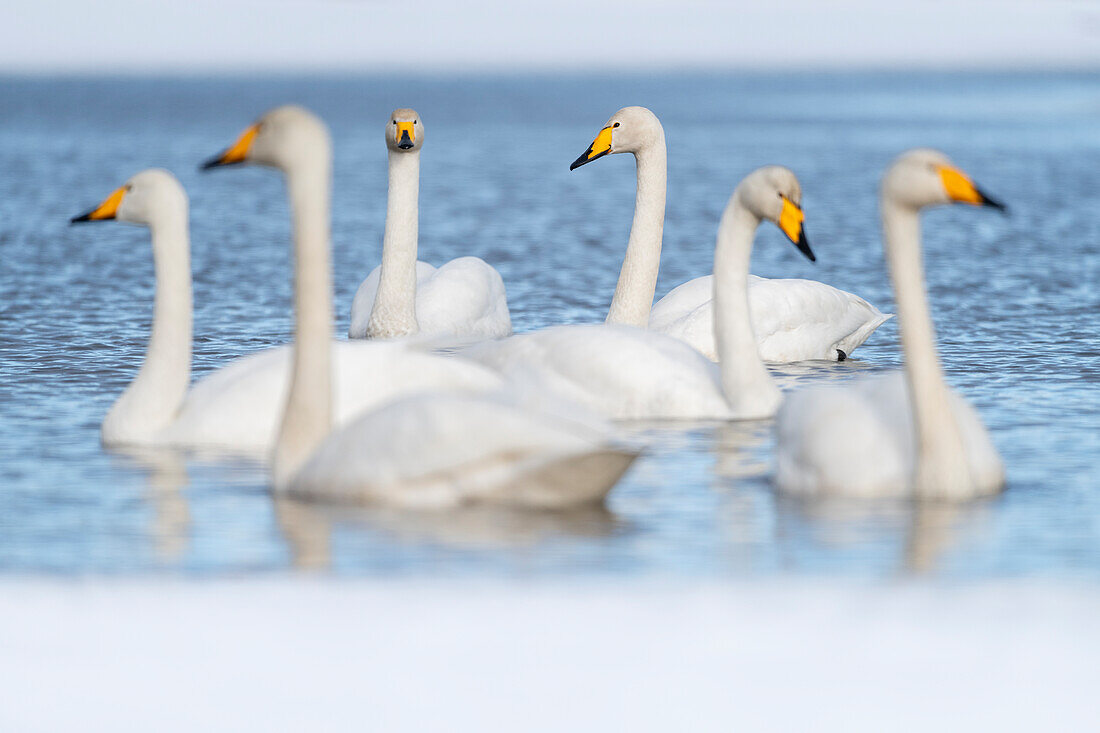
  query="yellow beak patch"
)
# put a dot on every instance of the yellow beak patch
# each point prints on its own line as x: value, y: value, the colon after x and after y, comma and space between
x: 601, y: 145
x: 790, y: 220
x: 405, y: 128
x: 239, y: 150
x: 959, y: 187
x: 109, y: 208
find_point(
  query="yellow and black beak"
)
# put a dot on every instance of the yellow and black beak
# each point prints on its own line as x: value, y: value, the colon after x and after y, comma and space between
x: 790, y: 221
x: 960, y: 188
x: 405, y: 134
x: 236, y: 153
x: 105, y: 211
x: 600, y: 147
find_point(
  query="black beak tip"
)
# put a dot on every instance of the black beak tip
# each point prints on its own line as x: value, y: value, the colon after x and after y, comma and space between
x: 581, y: 161
x: 82, y: 217
x: 804, y: 246
x: 404, y: 144
x: 214, y: 162
x: 992, y: 203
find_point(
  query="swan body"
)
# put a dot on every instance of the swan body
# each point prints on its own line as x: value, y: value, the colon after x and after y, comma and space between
x: 433, y: 448
x: 793, y: 319
x: 238, y: 407
x: 617, y: 371
x: 464, y: 297
x: 624, y: 372
x: 443, y: 450
x: 873, y: 417
x: 908, y: 434
x: 402, y: 296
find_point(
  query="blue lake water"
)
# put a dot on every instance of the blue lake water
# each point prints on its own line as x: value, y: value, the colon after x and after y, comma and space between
x: 1016, y: 301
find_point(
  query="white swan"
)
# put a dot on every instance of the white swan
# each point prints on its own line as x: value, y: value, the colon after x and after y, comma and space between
x: 432, y: 449
x: 793, y: 319
x: 402, y: 296
x: 625, y: 372
x: 906, y: 434
x: 238, y: 407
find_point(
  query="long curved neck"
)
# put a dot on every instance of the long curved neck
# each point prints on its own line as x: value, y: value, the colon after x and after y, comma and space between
x: 638, y: 276
x: 153, y: 399
x: 748, y: 387
x: 394, y: 311
x: 941, y: 458
x: 308, y: 415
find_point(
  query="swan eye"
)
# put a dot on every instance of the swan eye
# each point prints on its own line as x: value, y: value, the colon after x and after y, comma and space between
x: 616, y: 124
x: 395, y: 123
x: 414, y: 122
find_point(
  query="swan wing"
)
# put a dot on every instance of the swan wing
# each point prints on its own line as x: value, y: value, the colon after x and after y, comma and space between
x: 796, y: 320
x: 687, y: 313
x: 858, y: 440
x: 464, y: 297
x: 793, y: 319
x: 849, y: 440
x: 439, y: 450
x: 363, y: 301
x: 239, y: 407
x: 619, y: 372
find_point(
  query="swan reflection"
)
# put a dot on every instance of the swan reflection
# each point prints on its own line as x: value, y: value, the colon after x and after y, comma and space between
x: 308, y: 526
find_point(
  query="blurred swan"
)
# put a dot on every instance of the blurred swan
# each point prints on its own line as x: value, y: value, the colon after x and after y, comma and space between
x: 238, y: 407
x: 432, y: 449
x: 793, y: 319
x: 906, y: 434
x: 402, y: 296
x: 625, y: 372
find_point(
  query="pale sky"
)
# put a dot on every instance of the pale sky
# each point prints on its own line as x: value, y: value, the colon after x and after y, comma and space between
x: 364, y: 35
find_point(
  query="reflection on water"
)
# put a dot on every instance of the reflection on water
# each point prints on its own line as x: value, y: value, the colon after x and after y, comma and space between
x: 919, y: 534
x: 75, y: 307
x: 734, y: 522
x: 309, y: 527
x: 166, y: 478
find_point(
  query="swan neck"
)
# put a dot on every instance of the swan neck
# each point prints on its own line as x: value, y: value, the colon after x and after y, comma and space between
x: 308, y: 415
x: 394, y: 310
x: 940, y: 452
x: 153, y: 399
x: 638, y: 277
x: 748, y: 387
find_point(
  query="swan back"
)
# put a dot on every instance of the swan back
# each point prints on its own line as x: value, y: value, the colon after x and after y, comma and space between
x: 441, y: 450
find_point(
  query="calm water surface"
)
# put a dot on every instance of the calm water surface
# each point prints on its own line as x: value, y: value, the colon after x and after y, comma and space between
x: 1016, y: 301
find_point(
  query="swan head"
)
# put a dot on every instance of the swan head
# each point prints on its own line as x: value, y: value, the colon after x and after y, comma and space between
x: 923, y: 177
x: 773, y: 193
x: 404, y: 131
x: 284, y: 138
x: 629, y: 130
x: 148, y: 198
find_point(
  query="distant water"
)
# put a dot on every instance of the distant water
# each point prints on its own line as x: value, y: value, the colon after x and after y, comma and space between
x: 1016, y: 301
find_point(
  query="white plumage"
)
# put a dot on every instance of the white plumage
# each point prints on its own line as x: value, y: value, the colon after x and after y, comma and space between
x: 434, y: 448
x: 403, y: 296
x: 464, y: 297
x: 240, y: 406
x: 907, y: 434
x: 442, y: 450
x: 624, y: 372
x: 620, y: 372
x: 858, y: 440
x: 793, y: 319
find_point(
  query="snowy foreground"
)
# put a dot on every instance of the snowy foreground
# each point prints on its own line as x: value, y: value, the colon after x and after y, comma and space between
x: 386, y: 655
